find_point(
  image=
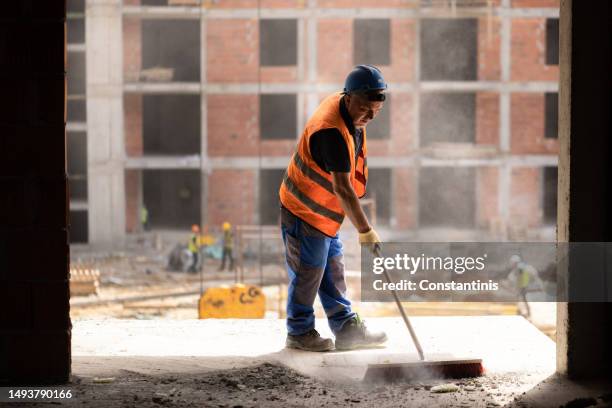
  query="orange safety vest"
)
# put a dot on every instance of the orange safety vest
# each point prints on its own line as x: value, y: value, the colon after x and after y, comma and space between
x: 306, y: 190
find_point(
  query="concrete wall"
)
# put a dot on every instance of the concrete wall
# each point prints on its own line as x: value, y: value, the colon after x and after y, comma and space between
x: 584, y: 330
x: 35, y: 328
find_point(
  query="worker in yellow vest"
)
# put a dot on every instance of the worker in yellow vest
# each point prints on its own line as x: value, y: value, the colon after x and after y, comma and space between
x: 228, y: 246
x: 522, y: 275
x: 194, y: 248
x: 323, y: 183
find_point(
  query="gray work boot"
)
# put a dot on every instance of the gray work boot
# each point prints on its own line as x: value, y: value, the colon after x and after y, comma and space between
x: 309, y: 341
x: 354, y: 334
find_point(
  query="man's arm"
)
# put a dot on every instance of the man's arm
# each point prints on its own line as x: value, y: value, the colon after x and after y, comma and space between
x: 349, y: 201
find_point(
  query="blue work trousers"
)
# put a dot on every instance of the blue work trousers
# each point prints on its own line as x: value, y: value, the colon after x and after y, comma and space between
x: 315, y: 265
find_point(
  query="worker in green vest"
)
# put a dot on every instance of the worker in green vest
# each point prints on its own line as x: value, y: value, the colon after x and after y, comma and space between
x: 144, y: 218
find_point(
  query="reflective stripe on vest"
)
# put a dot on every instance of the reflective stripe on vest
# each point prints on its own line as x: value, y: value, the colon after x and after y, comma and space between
x: 314, y: 206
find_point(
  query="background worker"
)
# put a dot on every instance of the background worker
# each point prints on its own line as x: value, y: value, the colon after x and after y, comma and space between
x: 194, y: 248
x: 228, y: 246
x: 144, y: 218
x: 522, y: 275
x: 323, y: 182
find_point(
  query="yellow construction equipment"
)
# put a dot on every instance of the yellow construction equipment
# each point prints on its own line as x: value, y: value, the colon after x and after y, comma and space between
x: 238, y: 301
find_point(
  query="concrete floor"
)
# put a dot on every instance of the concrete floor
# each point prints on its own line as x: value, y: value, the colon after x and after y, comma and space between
x: 505, y: 343
x: 186, y: 362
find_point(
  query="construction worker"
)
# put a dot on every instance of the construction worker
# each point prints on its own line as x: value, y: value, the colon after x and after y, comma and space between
x: 228, y: 245
x: 323, y: 182
x: 194, y: 248
x: 144, y: 218
x: 522, y: 274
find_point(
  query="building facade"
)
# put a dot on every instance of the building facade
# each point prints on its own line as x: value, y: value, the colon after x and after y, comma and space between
x: 194, y: 107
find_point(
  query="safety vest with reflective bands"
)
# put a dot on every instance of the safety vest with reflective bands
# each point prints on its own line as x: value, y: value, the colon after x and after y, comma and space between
x: 306, y: 190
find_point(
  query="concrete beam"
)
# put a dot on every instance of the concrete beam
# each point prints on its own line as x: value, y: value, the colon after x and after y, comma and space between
x: 163, y: 87
x: 164, y: 162
x: 315, y: 88
x: 352, y: 13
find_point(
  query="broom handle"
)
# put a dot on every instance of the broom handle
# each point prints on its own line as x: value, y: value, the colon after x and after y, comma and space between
x: 415, y: 340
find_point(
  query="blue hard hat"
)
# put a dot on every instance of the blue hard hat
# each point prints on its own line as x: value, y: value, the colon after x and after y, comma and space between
x: 364, y: 78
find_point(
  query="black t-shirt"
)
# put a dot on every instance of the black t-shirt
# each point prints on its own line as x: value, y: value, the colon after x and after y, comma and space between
x: 328, y: 148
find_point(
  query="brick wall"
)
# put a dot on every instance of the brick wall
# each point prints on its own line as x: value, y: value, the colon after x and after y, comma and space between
x: 528, y: 51
x: 404, y: 197
x: 132, y: 107
x: 488, y: 195
x: 334, y: 57
x: 232, y: 54
x: 233, y: 128
x: 132, y: 48
x: 487, y: 118
x: 232, y: 197
x: 489, y: 40
x: 527, y: 125
x: 34, y: 296
x: 525, y: 197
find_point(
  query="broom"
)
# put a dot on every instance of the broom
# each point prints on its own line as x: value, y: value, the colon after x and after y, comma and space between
x: 422, y: 369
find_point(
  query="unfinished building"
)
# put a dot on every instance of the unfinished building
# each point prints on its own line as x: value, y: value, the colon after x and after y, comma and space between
x: 220, y: 90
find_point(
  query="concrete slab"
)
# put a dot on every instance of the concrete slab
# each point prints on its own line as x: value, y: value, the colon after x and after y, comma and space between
x: 507, y: 344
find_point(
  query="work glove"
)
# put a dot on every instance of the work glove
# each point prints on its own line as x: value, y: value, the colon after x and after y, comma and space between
x: 371, y: 240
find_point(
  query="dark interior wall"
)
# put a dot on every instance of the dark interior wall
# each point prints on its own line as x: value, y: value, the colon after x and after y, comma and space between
x: 278, y: 42
x: 35, y: 327
x: 171, y: 124
x: 159, y: 47
x: 173, y: 197
x: 449, y: 49
x: 447, y: 117
x: 372, y: 41
x: 585, y: 183
x: 447, y: 197
x: 278, y: 116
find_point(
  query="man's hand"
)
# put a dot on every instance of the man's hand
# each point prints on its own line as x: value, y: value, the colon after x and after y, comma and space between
x: 350, y: 204
x: 370, y: 237
x: 371, y: 240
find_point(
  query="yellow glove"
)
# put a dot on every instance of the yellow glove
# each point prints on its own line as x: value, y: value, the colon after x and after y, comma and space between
x: 371, y: 240
x: 370, y: 237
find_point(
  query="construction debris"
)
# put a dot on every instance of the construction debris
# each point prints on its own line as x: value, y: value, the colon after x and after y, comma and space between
x: 157, y: 74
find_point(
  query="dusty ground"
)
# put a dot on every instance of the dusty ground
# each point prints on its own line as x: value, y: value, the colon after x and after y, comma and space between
x: 268, y: 385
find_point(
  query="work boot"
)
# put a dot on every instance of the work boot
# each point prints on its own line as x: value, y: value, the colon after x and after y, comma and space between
x: 354, y: 334
x: 309, y: 341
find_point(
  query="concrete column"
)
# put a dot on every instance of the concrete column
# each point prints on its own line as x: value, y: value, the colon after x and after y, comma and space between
x: 105, y: 133
x: 504, y: 114
x: 584, y: 330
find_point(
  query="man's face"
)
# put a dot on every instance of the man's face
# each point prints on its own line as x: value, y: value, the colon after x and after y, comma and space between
x: 362, y: 110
